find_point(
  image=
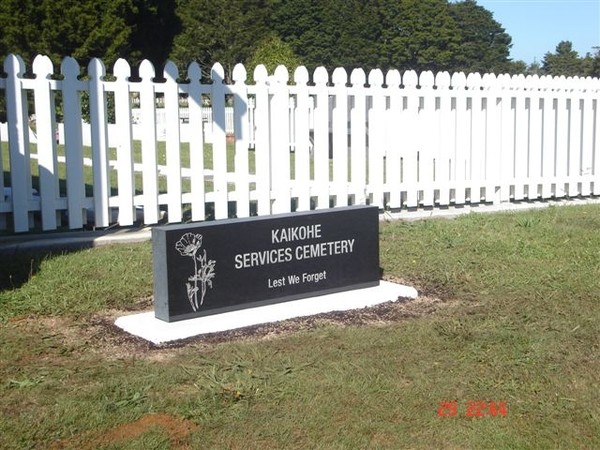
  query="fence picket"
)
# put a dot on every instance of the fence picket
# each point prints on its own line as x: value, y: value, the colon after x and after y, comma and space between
x: 444, y: 127
x: 574, y: 160
x: 562, y: 138
x: 240, y: 129
x: 197, y: 190
x: 46, y: 141
x: 71, y: 87
x: 280, y: 138
x: 173, y: 143
x: 491, y: 140
x: 587, y: 135
x: 506, y: 138
x: 4, y: 205
x: 302, y: 139
x: 99, y: 130
x: 426, y: 150
x: 463, y: 131
x: 549, y: 141
x: 521, y: 150
x: 219, y: 141
x: 358, y: 131
x: 149, y: 146
x: 20, y: 170
x: 394, y: 136
x: 125, y: 180
x: 340, y: 121
x: 478, y: 149
x: 376, y: 150
x: 321, y: 137
x: 535, y: 138
x: 596, y: 140
x: 262, y: 141
x: 410, y: 162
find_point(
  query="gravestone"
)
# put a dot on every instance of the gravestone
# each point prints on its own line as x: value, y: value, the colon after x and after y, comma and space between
x: 214, y: 267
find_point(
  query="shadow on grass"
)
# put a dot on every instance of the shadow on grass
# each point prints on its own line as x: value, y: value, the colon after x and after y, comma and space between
x: 17, y: 267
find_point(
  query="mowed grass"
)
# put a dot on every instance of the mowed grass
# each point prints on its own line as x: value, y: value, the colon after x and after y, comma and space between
x: 519, y: 323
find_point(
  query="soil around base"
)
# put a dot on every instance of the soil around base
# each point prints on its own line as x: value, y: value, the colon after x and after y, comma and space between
x: 99, y: 335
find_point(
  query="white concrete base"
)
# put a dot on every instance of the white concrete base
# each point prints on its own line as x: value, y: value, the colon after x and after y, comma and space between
x: 146, y: 326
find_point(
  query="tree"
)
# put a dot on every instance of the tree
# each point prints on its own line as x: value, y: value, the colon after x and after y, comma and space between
x: 591, y: 64
x: 154, y: 28
x: 534, y: 68
x: 405, y: 34
x: 333, y: 33
x: 418, y: 34
x: 565, y: 61
x: 595, y: 65
x: 217, y: 31
x: 515, y: 67
x: 272, y: 52
x: 20, y: 27
x: 84, y: 29
x: 484, y: 44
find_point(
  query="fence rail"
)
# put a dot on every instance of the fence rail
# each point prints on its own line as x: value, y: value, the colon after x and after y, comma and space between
x: 194, y: 150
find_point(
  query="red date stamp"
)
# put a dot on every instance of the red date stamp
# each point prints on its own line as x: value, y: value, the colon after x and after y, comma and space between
x: 473, y: 409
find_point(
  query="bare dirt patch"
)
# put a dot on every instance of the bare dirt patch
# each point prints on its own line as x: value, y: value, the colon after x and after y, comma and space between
x: 177, y: 430
x: 98, y: 334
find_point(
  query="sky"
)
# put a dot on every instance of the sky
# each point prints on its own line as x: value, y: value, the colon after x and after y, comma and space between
x: 537, y: 26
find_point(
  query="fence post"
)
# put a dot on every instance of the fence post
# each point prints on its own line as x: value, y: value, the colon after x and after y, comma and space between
x: 73, y: 142
x: 99, y: 126
x: 18, y: 136
x: 46, y: 140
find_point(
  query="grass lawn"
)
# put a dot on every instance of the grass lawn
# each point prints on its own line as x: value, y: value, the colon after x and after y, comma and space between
x: 509, y: 314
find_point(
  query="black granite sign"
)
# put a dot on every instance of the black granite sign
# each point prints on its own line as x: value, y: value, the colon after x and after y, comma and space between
x: 212, y: 267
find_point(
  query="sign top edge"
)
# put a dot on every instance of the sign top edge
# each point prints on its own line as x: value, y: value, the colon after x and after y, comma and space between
x: 174, y: 227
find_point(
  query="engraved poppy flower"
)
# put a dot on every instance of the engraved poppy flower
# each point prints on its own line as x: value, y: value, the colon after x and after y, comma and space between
x: 189, y: 244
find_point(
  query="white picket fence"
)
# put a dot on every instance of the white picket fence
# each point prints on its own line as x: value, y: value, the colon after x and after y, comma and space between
x: 396, y: 141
